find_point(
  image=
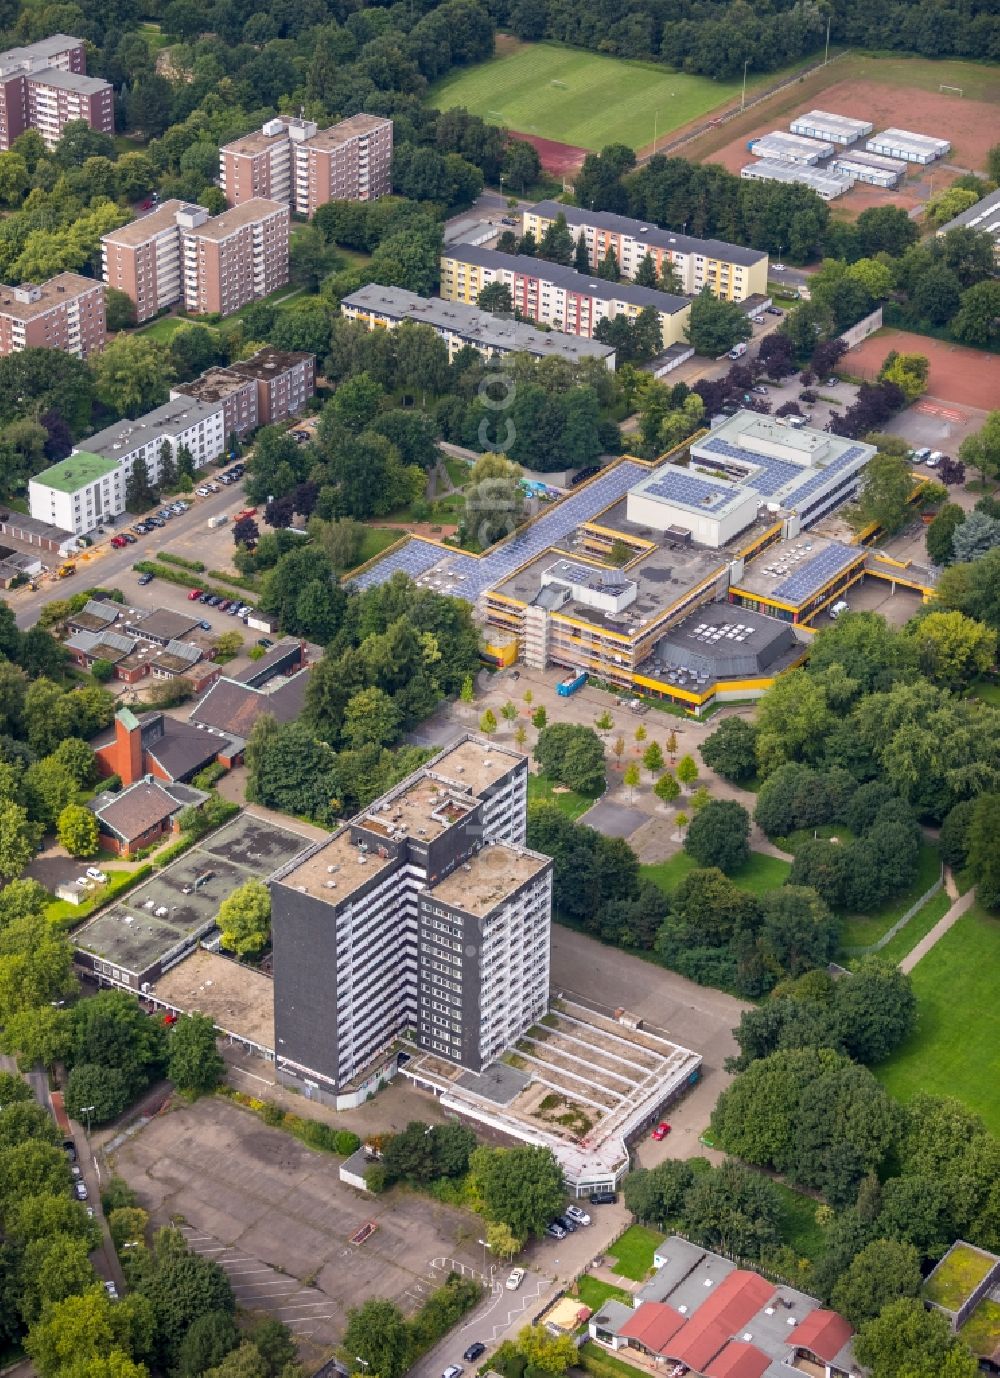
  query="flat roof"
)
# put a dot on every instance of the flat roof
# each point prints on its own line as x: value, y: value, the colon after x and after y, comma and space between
x: 132, y: 934
x: 857, y: 157
x: 70, y: 81
x: 270, y: 363
x: 824, y: 119
x: 649, y: 233
x: 476, y: 762
x: 793, y: 143
x: 905, y: 138
x: 238, y: 998
x: 984, y: 216
x: 584, y: 284
x: 236, y: 218
x: 147, y: 227
x: 772, y: 171
x: 61, y: 288
x: 794, y: 570
x: 74, y: 472
x: 720, y: 641
x: 422, y: 809
x: 352, y: 128
x: 15, y: 59
x: 489, y: 877
x: 333, y: 870
x: 478, y: 327
x: 173, y: 417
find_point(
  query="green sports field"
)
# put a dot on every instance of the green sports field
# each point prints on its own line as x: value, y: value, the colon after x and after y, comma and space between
x: 578, y: 97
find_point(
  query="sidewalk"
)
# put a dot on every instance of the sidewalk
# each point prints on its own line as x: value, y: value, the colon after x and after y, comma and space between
x: 938, y: 931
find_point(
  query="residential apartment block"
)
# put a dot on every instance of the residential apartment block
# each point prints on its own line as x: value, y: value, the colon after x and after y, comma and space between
x: 232, y: 259
x: 728, y: 270
x: 424, y: 915
x: 66, y: 312
x: 44, y: 85
x: 211, y: 263
x: 143, y: 259
x: 293, y: 161
x: 79, y: 492
x: 554, y: 295
x: 461, y: 326
x: 271, y: 386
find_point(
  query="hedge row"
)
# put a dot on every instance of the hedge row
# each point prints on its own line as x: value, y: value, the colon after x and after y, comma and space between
x: 248, y: 583
x: 197, y: 565
x: 178, y: 576
x: 342, y: 1142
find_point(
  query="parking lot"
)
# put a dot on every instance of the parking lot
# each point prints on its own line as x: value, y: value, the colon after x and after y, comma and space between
x: 276, y: 1216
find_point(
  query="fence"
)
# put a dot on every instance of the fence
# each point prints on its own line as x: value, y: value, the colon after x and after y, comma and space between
x: 865, y: 327
x: 900, y: 923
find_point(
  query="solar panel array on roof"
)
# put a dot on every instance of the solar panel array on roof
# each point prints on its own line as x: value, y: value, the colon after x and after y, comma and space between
x: 771, y: 474
x: 693, y: 492
x: 822, y: 476
x: 413, y: 558
x: 814, y: 573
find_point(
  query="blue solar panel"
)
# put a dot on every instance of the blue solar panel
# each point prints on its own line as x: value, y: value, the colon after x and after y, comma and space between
x: 471, y: 576
x: 769, y: 474
x: 814, y: 573
x: 693, y: 492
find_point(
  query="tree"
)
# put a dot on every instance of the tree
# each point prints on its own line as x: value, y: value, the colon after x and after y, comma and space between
x: 652, y: 758
x: 952, y: 649
x: 501, y: 1241
x: 521, y: 1187
x: 977, y: 320
x: 631, y: 777
x: 733, y: 1209
x: 181, y: 1286
x: 245, y: 919
x: 495, y: 297
x: 246, y: 532
x: 981, y: 451
x: 466, y: 693
x: 980, y: 533
x: 687, y: 771
x: 105, y: 1089
x: 715, y: 326
x: 539, y: 717
x: 882, y: 1272
x: 656, y: 1195
x: 731, y: 750
x: 886, y: 486
x: 907, y: 371
x: 907, y: 1341
x: 983, y: 854
x: 618, y: 747
x: 77, y: 830
x: 941, y: 533
x: 132, y: 374
x: 720, y: 835
x: 608, y: 267
x: 522, y: 165
x: 488, y: 722
x: 546, y: 1353
x: 798, y: 932
x: 572, y: 755
x: 195, y: 1064
x: 18, y: 839
x: 556, y: 243
x: 377, y: 1334
x: 666, y: 788
x: 208, y: 1340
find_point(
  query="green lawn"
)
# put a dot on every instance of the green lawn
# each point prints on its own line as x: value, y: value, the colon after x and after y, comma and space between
x: 579, y: 97
x: 798, y: 1223
x: 63, y: 914
x: 955, y: 1049
x: 458, y: 470
x: 594, y: 1293
x: 987, y: 690
x: 376, y: 539
x: 543, y: 790
x: 955, y: 1279
x: 633, y: 1254
x: 759, y: 874
x: 163, y: 328
x: 908, y: 936
x: 865, y: 929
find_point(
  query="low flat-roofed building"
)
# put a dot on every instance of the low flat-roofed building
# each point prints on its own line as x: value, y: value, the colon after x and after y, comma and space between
x: 790, y: 148
x: 33, y: 531
x: 161, y: 625
x: 238, y: 998
x: 725, y: 649
x: 871, y: 168
x: 984, y: 216
x: 910, y: 147
x: 827, y: 185
x: 460, y: 325
x: 87, y: 647
x: 799, y: 577
x: 95, y: 615
x: 836, y: 129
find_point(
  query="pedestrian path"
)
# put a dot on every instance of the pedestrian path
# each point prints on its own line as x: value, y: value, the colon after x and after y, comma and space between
x: 925, y: 944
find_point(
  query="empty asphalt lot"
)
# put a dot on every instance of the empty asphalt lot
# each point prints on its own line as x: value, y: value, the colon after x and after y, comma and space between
x: 277, y: 1217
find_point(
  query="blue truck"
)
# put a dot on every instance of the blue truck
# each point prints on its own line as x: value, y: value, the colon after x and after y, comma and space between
x: 574, y: 681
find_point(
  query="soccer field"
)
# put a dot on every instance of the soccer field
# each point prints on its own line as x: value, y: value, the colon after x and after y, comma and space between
x: 578, y: 97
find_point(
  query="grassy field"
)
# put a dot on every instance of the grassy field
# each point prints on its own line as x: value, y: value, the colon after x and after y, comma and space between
x: 955, y: 1050
x: 594, y: 1293
x: 163, y: 328
x: 908, y: 937
x: 376, y: 539
x: 579, y: 97
x: 759, y: 874
x: 542, y: 790
x: 633, y: 1254
x: 798, y: 1223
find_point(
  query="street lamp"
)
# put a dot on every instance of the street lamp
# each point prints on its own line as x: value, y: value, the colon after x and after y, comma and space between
x: 485, y: 1247
x: 87, y: 1110
x: 743, y: 102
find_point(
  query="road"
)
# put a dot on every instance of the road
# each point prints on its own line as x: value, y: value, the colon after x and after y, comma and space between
x: 102, y: 564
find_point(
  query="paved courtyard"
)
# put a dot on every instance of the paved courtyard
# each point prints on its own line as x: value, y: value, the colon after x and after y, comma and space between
x: 277, y: 1217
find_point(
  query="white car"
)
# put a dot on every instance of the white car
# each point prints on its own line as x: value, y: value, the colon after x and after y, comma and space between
x: 111, y: 1290
x: 95, y: 873
x: 575, y: 1213
x: 202, y: 491
x: 778, y: 267
x: 515, y: 1279
x: 81, y: 1191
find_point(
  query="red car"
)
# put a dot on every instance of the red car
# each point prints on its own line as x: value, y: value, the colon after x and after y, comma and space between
x: 661, y: 1131
x: 195, y: 593
x: 247, y: 512
x: 119, y: 542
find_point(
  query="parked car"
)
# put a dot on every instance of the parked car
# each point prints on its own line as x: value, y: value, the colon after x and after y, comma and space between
x: 603, y: 1198
x: 75, y: 1171
x: 195, y: 594
x: 570, y: 1226
x: 508, y: 220
x: 555, y: 1231
x: 922, y: 454
x: 830, y: 382
x: 202, y: 490
x: 582, y: 475
x: 453, y: 1371
x: 70, y: 1148
x: 933, y: 460
x: 118, y: 542
x: 778, y: 267
x: 95, y: 873
x: 760, y: 390
x: 514, y: 1279
x: 128, y: 538
x: 264, y: 642
x: 774, y: 310
x: 111, y: 1290
x: 145, y: 579
x: 474, y: 1351
x: 575, y: 1213
x: 205, y: 626
x: 661, y: 1131
x: 81, y: 1190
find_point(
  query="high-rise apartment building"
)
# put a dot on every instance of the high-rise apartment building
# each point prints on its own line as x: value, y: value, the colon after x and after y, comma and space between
x: 729, y: 270
x: 44, y: 85
x: 211, y: 263
x: 425, y: 915
x: 269, y: 387
x: 291, y: 160
x: 236, y: 257
x: 557, y: 296
x: 66, y: 312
